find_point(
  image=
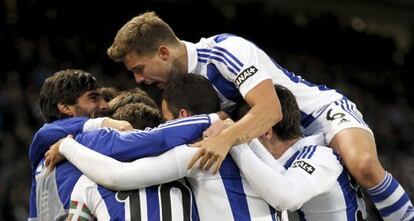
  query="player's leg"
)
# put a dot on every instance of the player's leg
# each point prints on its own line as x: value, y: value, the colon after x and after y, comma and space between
x: 351, y: 138
x: 357, y: 148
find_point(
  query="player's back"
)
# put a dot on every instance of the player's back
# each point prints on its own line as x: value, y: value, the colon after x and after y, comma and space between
x: 226, y: 195
x: 337, y: 195
x: 235, y: 66
x: 48, y: 134
x: 171, y: 201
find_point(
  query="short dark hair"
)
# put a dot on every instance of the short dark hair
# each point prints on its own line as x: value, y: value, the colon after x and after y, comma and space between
x: 191, y: 92
x: 135, y: 95
x: 64, y: 87
x: 289, y: 127
x: 139, y: 115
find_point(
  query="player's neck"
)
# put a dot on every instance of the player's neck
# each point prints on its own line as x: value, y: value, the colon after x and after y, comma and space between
x: 182, y: 57
x: 279, y: 147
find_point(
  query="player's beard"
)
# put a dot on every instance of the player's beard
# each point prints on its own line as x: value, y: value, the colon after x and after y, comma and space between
x: 100, y: 113
x: 80, y: 111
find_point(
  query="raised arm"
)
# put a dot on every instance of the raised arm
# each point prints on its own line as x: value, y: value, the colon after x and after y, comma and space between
x: 289, y: 190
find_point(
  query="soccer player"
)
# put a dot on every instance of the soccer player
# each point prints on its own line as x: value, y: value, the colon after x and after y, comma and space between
x: 315, y: 183
x: 120, y: 145
x: 50, y: 194
x: 135, y: 95
x: 224, y: 196
x: 67, y: 100
x: 239, y: 69
x: 89, y: 200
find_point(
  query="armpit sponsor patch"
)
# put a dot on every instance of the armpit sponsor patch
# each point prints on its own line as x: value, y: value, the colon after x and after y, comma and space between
x: 305, y: 166
x: 242, y: 77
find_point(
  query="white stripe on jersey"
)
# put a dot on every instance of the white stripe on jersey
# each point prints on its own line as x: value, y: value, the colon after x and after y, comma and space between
x: 143, y: 201
x: 186, y: 121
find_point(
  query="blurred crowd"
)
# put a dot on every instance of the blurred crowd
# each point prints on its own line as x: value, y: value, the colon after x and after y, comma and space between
x: 359, y: 65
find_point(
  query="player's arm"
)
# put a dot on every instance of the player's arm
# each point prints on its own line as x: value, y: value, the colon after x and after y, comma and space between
x: 256, y: 86
x: 98, y: 123
x: 265, y: 156
x: 265, y: 112
x: 57, y: 130
x: 84, y: 201
x: 118, y: 175
x: 289, y: 190
x: 127, y: 146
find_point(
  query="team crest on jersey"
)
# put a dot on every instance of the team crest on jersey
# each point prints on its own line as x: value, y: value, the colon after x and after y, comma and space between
x: 242, y: 77
x: 305, y: 166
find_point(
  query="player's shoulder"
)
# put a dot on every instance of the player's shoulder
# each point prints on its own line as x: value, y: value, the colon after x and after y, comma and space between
x: 229, y: 41
x: 316, y: 152
x: 312, y: 148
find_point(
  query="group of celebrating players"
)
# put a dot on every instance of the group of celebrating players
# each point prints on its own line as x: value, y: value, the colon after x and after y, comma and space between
x: 236, y: 137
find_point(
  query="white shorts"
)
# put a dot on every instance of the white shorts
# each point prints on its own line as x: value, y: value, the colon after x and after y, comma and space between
x: 333, y: 118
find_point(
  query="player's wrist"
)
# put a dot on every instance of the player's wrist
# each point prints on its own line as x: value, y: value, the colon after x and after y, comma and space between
x: 66, y: 145
x: 93, y: 124
x: 214, y: 117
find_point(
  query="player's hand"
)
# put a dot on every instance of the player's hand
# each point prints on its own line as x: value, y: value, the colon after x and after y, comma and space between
x: 120, y: 125
x: 211, y: 154
x: 223, y: 115
x: 217, y: 127
x: 53, y: 157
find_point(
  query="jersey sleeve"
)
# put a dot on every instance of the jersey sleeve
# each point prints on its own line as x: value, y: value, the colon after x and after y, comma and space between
x: 248, y: 62
x: 127, y: 146
x: 86, y: 202
x: 126, y: 176
x: 263, y: 154
x: 50, y: 134
x: 93, y: 124
x: 289, y: 190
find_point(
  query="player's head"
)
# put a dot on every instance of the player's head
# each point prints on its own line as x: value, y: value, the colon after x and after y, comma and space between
x: 70, y: 93
x: 129, y: 97
x: 139, y: 115
x: 108, y: 93
x: 148, y: 47
x: 289, y: 127
x: 189, y: 94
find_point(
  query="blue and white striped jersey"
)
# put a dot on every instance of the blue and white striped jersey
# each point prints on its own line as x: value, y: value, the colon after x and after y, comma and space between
x: 169, y: 201
x: 122, y: 146
x: 47, y: 135
x: 235, y: 66
x: 224, y: 196
x: 315, y: 183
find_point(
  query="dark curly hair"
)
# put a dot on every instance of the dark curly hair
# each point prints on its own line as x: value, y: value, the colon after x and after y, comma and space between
x: 64, y: 87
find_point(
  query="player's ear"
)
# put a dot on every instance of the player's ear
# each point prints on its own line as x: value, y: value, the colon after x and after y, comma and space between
x: 65, y: 109
x: 183, y: 113
x: 163, y: 52
x: 267, y: 136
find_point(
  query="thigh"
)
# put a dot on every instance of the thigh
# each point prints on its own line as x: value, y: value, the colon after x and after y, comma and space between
x: 336, y: 117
